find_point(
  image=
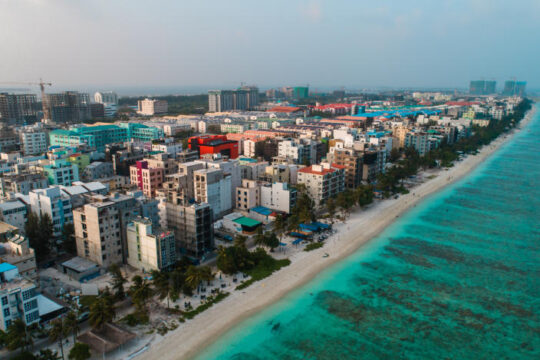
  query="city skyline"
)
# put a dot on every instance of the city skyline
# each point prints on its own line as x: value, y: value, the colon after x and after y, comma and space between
x: 104, y: 45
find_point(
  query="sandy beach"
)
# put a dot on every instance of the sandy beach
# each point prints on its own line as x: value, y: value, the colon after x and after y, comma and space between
x: 363, y: 225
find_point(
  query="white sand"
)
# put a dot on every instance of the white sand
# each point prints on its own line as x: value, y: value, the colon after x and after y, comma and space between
x: 193, y: 336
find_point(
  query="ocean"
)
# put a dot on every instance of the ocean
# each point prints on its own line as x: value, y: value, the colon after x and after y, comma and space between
x: 457, y: 277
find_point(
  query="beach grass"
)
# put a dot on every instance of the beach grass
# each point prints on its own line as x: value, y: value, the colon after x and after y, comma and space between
x: 313, y: 246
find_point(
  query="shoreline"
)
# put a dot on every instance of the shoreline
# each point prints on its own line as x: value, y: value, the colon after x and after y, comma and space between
x: 207, y: 327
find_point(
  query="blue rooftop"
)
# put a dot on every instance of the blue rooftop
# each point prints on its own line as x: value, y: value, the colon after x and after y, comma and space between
x: 6, y: 267
x: 262, y: 210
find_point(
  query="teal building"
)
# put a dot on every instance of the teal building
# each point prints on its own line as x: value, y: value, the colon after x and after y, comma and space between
x: 100, y: 135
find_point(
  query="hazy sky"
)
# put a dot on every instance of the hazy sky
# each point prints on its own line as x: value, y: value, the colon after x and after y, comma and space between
x: 354, y: 43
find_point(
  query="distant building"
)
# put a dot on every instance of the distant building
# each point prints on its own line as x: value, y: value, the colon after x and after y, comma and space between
x: 22, y: 183
x: 106, y: 97
x: 151, y: 107
x: 482, y: 87
x: 278, y: 196
x: 150, y: 248
x: 33, y: 142
x: 514, y: 88
x: 98, y: 170
x: 300, y: 92
x: 18, y: 108
x: 244, y: 98
x: 68, y: 107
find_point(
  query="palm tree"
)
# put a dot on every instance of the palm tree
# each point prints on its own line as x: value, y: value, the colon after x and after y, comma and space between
x: 240, y: 241
x: 260, y: 238
x: 57, y: 333
x: 102, y: 311
x: 279, y: 225
x: 71, y: 323
x: 118, y: 281
x: 17, y: 336
x: 206, y: 273
x: 194, y: 276
x: 140, y: 292
x: 162, y: 285
x: 331, y: 208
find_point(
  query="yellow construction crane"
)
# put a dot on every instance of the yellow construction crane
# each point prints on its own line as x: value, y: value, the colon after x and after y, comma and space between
x: 42, y: 84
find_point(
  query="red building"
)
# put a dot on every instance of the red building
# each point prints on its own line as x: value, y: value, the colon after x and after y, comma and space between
x: 214, y: 144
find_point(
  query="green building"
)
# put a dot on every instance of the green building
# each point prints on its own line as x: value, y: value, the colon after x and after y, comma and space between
x: 300, y: 92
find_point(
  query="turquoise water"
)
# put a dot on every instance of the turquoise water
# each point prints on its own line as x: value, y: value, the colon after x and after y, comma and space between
x: 456, y: 278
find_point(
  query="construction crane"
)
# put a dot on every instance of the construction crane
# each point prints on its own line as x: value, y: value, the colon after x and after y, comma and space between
x: 42, y: 84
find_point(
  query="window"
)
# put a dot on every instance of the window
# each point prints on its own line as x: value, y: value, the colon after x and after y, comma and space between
x: 4, y: 300
x: 6, y: 312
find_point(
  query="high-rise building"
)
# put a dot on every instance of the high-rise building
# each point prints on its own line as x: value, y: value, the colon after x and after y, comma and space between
x: 213, y: 186
x: 106, y: 97
x: 97, y: 232
x: 18, y: 108
x: 68, y: 107
x: 482, y: 87
x: 300, y: 92
x: 146, y: 177
x: 245, y: 98
x: 192, y: 225
x: 150, y: 248
x: 152, y: 107
x: 514, y: 88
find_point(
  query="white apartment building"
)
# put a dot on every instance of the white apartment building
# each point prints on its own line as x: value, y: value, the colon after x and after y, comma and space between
x: 55, y: 203
x: 278, y: 196
x: 248, y: 195
x: 18, y: 298
x: 300, y: 151
x: 152, y: 107
x: 322, y: 181
x: 14, y: 213
x: 148, y: 247
x: 229, y: 167
x: 34, y: 142
x: 98, y: 232
x: 233, y: 128
x: 212, y: 186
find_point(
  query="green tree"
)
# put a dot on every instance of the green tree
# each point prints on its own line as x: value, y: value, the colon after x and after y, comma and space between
x: 118, y: 281
x: 32, y: 231
x: 17, y: 336
x: 140, y: 291
x: 272, y: 241
x: 68, y: 239
x: 260, y: 237
x: 71, y: 323
x: 25, y: 355
x: 395, y: 155
x: 279, y: 225
x: 331, y: 209
x: 79, y: 351
x: 102, y: 310
x: 57, y: 333
x: 178, y: 280
x: 240, y: 241
x: 197, y: 274
x: 45, y: 234
x: 162, y: 285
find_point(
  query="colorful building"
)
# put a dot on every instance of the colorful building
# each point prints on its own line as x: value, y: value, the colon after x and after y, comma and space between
x: 147, y: 178
x: 214, y: 144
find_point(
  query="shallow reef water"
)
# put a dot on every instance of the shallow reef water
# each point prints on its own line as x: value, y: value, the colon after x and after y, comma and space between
x: 458, y: 277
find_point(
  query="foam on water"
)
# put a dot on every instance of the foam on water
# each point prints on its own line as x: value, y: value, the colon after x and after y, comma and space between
x: 458, y: 277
